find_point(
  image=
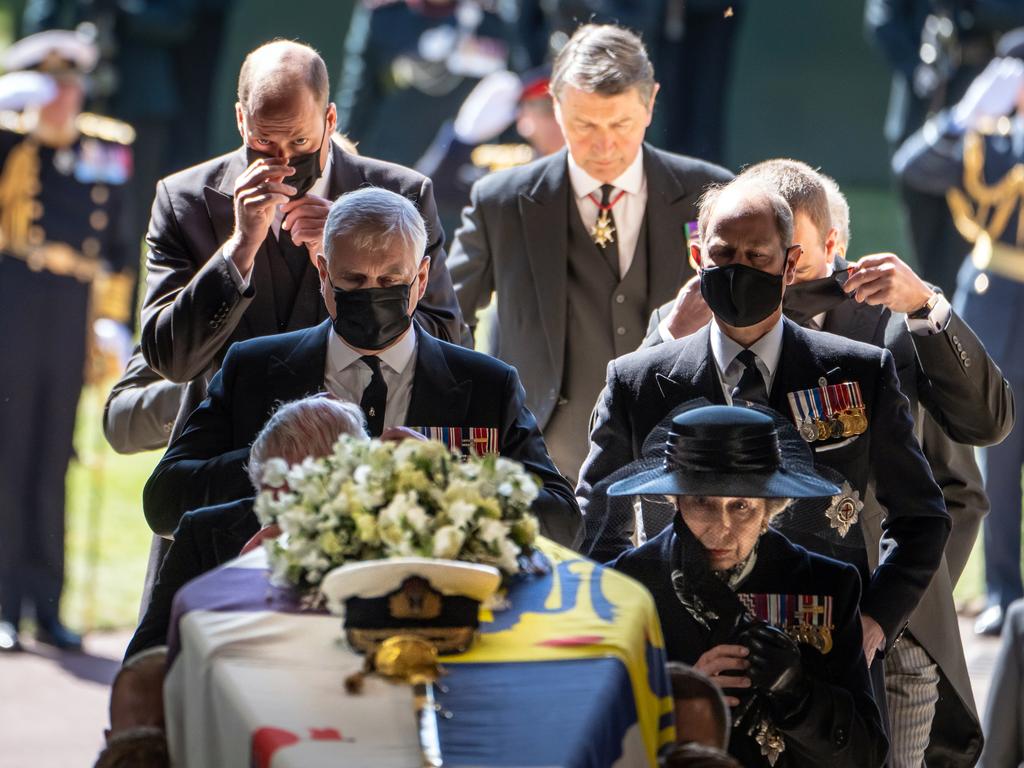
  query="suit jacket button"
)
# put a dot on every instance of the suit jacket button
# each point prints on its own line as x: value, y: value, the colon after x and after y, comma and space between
x: 212, y: 323
x: 967, y: 363
x: 621, y: 331
x: 956, y: 340
x: 963, y: 355
x: 840, y: 735
x: 619, y: 299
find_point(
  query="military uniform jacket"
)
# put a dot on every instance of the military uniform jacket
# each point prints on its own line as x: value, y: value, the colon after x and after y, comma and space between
x: 842, y: 725
x: 193, y: 311
x: 452, y: 387
x: 60, y: 208
x: 644, y: 386
x: 514, y: 240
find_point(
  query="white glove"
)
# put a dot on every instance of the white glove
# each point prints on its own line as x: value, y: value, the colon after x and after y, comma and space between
x: 489, y: 109
x: 113, y: 339
x: 19, y: 90
x: 993, y: 94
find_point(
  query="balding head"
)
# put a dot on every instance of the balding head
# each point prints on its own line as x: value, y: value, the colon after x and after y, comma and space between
x: 746, y: 196
x: 272, y: 72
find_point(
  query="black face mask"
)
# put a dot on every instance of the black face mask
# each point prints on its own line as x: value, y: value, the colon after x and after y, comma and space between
x: 371, y: 318
x: 812, y: 297
x: 740, y: 296
x: 307, y: 167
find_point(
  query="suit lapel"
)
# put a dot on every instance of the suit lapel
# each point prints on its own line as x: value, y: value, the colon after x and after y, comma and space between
x: 693, y: 373
x: 300, y: 373
x: 220, y: 208
x: 667, y: 260
x: 438, y: 399
x: 544, y: 212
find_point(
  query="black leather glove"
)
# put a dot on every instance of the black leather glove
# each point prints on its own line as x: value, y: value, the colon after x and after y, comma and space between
x: 776, y: 670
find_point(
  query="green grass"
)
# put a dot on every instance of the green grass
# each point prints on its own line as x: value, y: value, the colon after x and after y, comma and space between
x: 107, y: 536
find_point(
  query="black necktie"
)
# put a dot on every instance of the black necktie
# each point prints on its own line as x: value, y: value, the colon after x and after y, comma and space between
x: 611, y: 249
x: 751, y: 384
x: 375, y: 397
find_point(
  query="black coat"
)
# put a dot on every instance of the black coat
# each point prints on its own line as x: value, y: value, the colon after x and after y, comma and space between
x: 204, y: 539
x: 193, y: 311
x: 842, y: 726
x: 644, y: 386
x: 452, y: 387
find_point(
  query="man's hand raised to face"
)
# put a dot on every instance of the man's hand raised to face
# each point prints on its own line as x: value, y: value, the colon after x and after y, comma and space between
x: 884, y: 278
x: 304, y: 220
x: 690, y: 312
x: 259, y: 190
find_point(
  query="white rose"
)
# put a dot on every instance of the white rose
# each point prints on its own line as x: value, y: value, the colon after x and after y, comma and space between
x: 507, y: 557
x: 417, y: 518
x: 492, y: 531
x: 461, y: 513
x: 448, y: 541
x: 275, y: 470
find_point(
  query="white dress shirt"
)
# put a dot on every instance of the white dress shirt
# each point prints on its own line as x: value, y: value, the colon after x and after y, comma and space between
x: 346, y: 376
x: 768, y: 350
x: 628, y: 212
x: 319, y: 188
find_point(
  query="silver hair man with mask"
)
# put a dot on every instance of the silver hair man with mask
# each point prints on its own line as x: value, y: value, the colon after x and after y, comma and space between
x: 370, y: 350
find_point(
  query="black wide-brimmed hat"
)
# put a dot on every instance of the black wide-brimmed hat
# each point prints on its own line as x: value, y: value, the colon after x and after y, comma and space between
x: 741, y: 451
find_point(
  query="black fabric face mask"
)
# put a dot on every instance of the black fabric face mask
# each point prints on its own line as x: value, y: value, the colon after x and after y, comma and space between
x: 805, y: 300
x: 371, y: 318
x: 740, y: 296
x: 307, y: 167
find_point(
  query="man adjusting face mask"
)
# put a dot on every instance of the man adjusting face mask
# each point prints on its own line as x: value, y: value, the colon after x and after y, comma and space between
x: 307, y: 166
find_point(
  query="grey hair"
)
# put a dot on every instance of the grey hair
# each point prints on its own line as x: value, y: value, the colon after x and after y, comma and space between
x: 374, y: 219
x: 839, y: 209
x: 752, y: 187
x: 606, y: 60
x: 776, y: 506
x: 802, y: 188
x: 307, y: 427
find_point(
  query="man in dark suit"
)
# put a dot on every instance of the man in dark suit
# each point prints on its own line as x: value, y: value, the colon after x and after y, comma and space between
x: 955, y: 391
x: 372, y: 276
x: 232, y: 240
x: 751, y: 352
x: 209, y: 536
x: 582, y: 245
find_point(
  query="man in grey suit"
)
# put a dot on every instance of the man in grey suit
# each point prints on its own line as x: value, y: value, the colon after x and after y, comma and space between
x: 582, y: 245
x: 232, y: 240
x: 956, y: 393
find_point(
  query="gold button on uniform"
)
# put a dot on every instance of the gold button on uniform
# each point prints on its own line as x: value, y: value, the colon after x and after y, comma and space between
x: 98, y: 220
x: 99, y: 194
x: 91, y: 247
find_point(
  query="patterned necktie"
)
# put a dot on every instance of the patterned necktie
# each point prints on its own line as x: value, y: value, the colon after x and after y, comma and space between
x: 751, y: 384
x: 611, y: 249
x: 375, y: 397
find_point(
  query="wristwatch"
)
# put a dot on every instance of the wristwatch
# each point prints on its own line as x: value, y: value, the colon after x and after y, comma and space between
x: 926, y: 310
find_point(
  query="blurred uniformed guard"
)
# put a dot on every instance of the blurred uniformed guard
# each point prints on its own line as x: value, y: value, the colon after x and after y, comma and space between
x: 62, y: 265
x: 974, y: 155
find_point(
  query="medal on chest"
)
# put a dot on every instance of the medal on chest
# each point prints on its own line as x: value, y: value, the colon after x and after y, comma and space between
x: 829, y: 411
x: 603, y: 231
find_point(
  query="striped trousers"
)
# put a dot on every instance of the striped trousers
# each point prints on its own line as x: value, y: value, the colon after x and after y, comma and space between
x: 912, y: 691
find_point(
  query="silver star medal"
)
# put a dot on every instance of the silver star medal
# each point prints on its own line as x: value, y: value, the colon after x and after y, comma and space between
x: 603, y: 231
x: 844, y: 510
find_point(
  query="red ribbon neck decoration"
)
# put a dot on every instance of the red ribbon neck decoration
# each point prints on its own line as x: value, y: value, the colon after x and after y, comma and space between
x: 600, y: 207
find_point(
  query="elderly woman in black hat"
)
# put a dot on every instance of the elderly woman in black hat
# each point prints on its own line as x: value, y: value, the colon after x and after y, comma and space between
x: 776, y: 626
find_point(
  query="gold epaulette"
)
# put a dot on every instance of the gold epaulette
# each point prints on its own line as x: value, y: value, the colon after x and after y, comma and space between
x: 113, y: 295
x: 496, y: 157
x: 12, y: 121
x: 105, y: 128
